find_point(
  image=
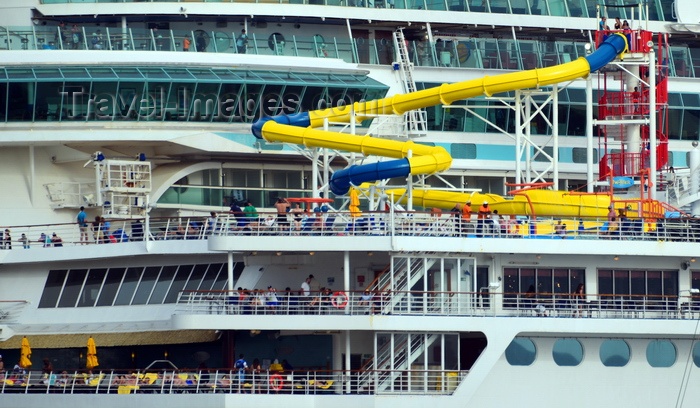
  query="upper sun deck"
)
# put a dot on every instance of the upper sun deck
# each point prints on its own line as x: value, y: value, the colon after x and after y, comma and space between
x: 415, y: 232
x: 656, y: 11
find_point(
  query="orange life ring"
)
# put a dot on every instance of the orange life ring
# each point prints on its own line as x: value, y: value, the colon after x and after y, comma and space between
x: 339, y: 300
x: 276, y: 382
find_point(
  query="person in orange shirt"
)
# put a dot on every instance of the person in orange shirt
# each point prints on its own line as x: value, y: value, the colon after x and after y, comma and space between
x: 466, y: 216
x: 483, y: 215
x: 186, y: 43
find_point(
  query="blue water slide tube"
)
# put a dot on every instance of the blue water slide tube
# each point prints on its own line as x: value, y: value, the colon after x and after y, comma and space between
x: 607, y: 51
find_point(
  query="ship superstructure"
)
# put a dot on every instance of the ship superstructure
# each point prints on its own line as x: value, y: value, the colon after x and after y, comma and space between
x: 287, y: 183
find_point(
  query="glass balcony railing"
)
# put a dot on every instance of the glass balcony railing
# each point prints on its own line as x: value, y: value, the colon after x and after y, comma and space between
x: 452, y: 52
x: 558, y: 8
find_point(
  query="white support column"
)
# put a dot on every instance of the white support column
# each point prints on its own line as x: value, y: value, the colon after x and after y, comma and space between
x: 392, y: 358
x: 375, y: 359
x: 32, y: 174
x: 426, y: 299
x: 589, y: 135
x: 348, y: 373
x: 352, y: 42
x: 125, y: 36
x: 147, y: 224
x: 693, y: 163
x: 314, y: 173
x: 338, y: 351
x: 555, y: 134
x: 326, y: 171
x: 409, y: 185
x: 229, y: 266
x: 431, y: 43
x: 652, y: 122
x: 346, y: 277
x: 443, y: 285
x: 528, y: 139
x: 518, y: 135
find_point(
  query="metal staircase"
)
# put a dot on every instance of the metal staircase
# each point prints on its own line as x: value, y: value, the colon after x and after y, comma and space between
x: 407, y: 272
x: 389, y: 362
x: 416, y: 119
x: 684, y: 189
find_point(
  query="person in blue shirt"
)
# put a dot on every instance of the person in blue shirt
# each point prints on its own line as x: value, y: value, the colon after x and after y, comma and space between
x: 241, y: 366
x: 242, y: 42
x: 83, y: 225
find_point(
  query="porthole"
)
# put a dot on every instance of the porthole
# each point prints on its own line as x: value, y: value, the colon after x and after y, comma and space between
x: 567, y: 352
x: 521, y: 352
x: 275, y: 41
x: 614, y: 353
x: 661, y: 353
x: 696, y: 354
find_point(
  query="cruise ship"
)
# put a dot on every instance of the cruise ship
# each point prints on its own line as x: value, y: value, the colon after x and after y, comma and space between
x: 464, y: 203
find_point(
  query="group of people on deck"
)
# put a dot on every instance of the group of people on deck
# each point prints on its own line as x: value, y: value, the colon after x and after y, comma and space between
x: 488, y: 222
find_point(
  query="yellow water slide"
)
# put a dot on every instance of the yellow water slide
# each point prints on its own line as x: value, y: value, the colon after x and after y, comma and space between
x: 300, y: 129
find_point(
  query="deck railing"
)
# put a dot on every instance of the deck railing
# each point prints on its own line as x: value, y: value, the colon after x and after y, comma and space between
x: 416, y: 303
x: 336, y: 224
x: 425, y: 382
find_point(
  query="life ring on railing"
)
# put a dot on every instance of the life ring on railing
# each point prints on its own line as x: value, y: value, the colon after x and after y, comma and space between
x: 276, y: 382
x: 339, y: 300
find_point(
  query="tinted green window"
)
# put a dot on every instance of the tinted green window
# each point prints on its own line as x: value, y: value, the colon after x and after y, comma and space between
x: 614, y: 353
x: 521, y: 352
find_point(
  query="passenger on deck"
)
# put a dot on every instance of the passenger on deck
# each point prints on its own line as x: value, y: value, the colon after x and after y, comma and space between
x: 104, y: 227
x: 97, y: 230
x: 241, y: 366
x: 366, y: 301
x: 577, y: 298
x: 241, y: 220
x: 7, y: 240
x: 305, y: 293
x: 466, y: 216
x: 484, y: 215
x: 45, y: 240
x: 24, y: 241
x: 282, y: 207
x: 613, y: 227
x: 560, y: 229
x: 64, y: 379
x: 56, y: 240
x: 271, y: 299
x: 47, y: 368
x: 500, y: 224
x: 256, y: 371
x: 191, y: 380
x: 611, y: 212
x: 298, y: 214
x: 136, y: 231
x: 212, y: 222
x: 251, y: 214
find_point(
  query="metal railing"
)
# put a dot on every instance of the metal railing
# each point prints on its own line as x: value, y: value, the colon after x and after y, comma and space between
x: 426, y: 382
x: 416, y: 303
x: 565, y: 9
x: 336, y: 224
